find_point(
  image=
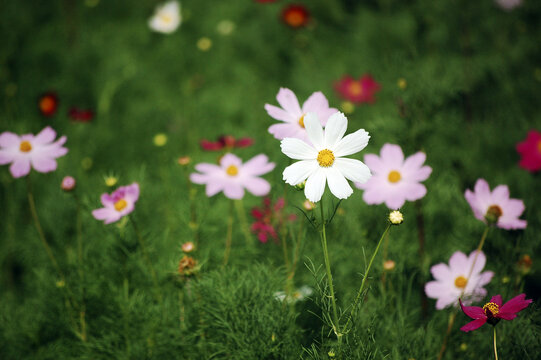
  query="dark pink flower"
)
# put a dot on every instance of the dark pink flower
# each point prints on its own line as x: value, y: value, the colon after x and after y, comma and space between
x: 226, y: 142
x: 530, y: 151
x: 358, y: 91
x: 493, y: 311
x: 117, y: 205
x: 296, y: 16
x: 268, y: 218
x: 48, y: 104
x: 81, y: 115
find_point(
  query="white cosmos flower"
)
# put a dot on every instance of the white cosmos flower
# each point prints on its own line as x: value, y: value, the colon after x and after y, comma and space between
x: 166, y: 18
x: 323, y: 161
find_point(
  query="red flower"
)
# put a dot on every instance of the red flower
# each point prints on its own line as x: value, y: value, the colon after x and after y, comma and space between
x: 267, y: 217
x: 226, y: 142
x: 493, y: 311
x: 295, y: 16
x: 358, y: 91
x: 48, y: 103
x: 530, y: 151
x: 81, y: 115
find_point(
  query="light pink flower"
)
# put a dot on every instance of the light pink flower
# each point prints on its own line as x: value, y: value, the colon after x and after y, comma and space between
x: 496, y: 207
x: 117, y: 205
x: 508, y: 5
x: 26, y: 151
x: 452, y: 282
x: 232, y: 176
x: 394, y: 180
x: 293, y: 115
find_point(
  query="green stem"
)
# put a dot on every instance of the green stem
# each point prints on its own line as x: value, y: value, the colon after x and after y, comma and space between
x: 229, y: 234
x: 323, y: 235
x: 446, y: 337
x: 147, y: 260
x: 495, y: 347
x: 361, y: 289
x: 479, y: 248
x: 82, y: 307
x: 244, y: 222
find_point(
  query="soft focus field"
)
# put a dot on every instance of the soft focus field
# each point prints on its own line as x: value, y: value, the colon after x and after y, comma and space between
x: 471, y: 85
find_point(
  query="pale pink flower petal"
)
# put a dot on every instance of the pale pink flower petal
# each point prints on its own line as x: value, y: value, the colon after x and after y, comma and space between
x: 118, y: 204
x: 45, y: 136
x: 288, y: 101
x: 43, y: 164
x: 9, y: 139
x: 257, y: 186
x: 20, y: 167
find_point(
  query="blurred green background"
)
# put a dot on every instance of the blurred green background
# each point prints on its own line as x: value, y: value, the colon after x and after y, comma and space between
x: 473, y: 85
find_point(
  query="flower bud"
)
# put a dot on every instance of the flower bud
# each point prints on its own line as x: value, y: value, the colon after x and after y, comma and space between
x: 389, y: 265
x: 396, y: 217
x: 68, y: 183
x: 301, y: 185
x: 184, y: 160
x: 525, y: 264
x: 188, y: 247
x: 187, y: 266
x: 493, y: 214
x: 308, y: 205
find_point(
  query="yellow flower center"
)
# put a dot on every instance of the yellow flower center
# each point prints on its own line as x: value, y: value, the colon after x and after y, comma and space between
x: 301, y: 121
x: 492, y: 308
x: 46, y: 104
x: 394, y: 176
x: 120, y: 205
x: 232, y: 170
x: 461, y: 282
x: 355, y: 88
x: 166, y: 18
x: 325, y: 158
x: 539, y: 146
x: 25, y: 146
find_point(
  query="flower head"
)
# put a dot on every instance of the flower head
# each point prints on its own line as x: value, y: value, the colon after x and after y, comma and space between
x: 296, y: 16
x: 232, y: 176
x: 117, y: 205
x: 187, y: 266
x: 496, y: 207
x: 396, y: 217
x: 268, y: 218
x: 159, y: 139
x: 68, y: 183
x: 38, y: 151
x: 530, y: 151
x: 323, y: 160
x: 395, y: 179
x: 166, y: 18
x: 188, y: 247
x: 48, y: 104
x: 292, y: 115
x: 454, y: 280
x: 358, y: 91
x: 493, y: 311
x: 226, y: 142
x: 508, y: 5
x: 81, y: 115
x: 184, y: 160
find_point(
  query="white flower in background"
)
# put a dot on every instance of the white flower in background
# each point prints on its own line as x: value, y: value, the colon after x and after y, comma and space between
x: 508, y: 5
x: 323, y: 161
x: 166, y: 18
x: 298, y: 295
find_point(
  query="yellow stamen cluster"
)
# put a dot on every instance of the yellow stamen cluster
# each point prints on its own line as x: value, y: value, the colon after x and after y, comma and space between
x: 301, y: 121
x: 493, y: 308
x: 166, y: 18
x: 120, y: 205
x: 394, y: 176
x: 25, y: 146
x: 539, y: 146
x: 461, y: 282
x: 232, y: 170
x: 355, y: 88
x: 325, y: 158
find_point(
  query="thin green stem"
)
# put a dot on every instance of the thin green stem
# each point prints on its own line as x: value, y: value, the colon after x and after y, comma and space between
x: 82, y: 307
x: 323, y: 235
x: 147, y: 260
x: 479, y: 248
x: 229, y: 234
x: 239, y: 205
x: 361, y: 289
x: 495, y: 347
x: 446, y: 337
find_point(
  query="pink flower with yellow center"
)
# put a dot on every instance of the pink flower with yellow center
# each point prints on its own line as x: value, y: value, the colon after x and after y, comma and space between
x: 117, y: 205
x: 31, y: 151
x: 232, y: 176
x: 530, y: 151
x: 394, y: 179
x: 292, y: 115
x: 496, y: 208
x: 358, y: 91
x: 454, y: 280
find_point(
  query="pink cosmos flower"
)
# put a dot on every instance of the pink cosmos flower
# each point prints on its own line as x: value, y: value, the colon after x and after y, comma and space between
x: 232, y: 176
x: 530, y: 151
x: 496, y: 207
x: 25, y: 151
x: 117, y: 205
x: 508, y: 5
x: 293, y: 115
x: 268, y: 218
x: 226, y: 142
x: 452, y: 281
x: 493, y: 311
x: 394, y: 180
x: 358, y: 91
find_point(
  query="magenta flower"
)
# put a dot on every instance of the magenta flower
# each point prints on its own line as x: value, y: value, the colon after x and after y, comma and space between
x: 269, y: 218
x: 26, y: 151
x: 293, y: 116
x: 452, y: 281
x: 232, y: 176
x: 358, y: 91
x: 496, y: 207
x: 530, y: 151
x: 394, y: 180
x: 493, y: 311
x: 117, y: 205
x: 226, y: 142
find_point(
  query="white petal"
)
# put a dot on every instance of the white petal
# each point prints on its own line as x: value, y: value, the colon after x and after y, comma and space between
x: 338, y: 184
x: 335, y: 129
x: 353, y: 169
x: 314, y: 130
x: 299, y: 171
x: 315, y: 185
x: 352, y: 143
x: 298, y: 149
